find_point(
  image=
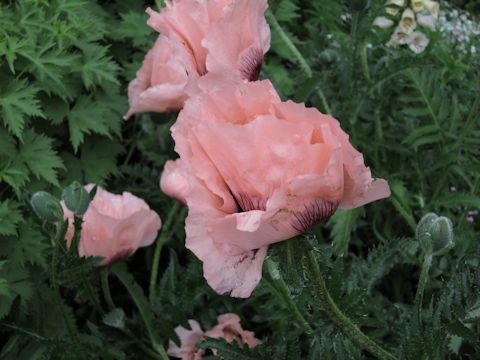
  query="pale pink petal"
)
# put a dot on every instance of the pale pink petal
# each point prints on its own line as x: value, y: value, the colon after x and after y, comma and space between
x: 239, y: 39
x: 174, y: 180
x: 230, y: 329
x: 115, y: 226
x: 188, y: 339
x: 162, y: 80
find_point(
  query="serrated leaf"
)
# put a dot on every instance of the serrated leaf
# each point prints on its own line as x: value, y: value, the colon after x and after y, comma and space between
x: 343, y: 222
x: 17, y: 102
x: 228, y: 351
x: 98, y: 159
x: 28, y: 247
x: 459, y: 199
x: 38, y: 155
x: 10, y: 217
x: 97, y: 66
x: 86, y: 117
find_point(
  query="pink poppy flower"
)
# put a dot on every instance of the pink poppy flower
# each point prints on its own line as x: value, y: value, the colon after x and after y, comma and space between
x: 188, y: 339
x: 114, y: 226
x: 227, y: 37
x: 174, y: 180
x: 261, y: 171
x: 162, y: 80
x: 229, y: 328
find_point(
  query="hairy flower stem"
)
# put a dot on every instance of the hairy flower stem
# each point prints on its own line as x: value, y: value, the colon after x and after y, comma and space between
x: 422, y: 282
x: 338, y: 317
x: 106, y: 289
x: 307, y: 70
x: 59, y: 236
x: 282, y: 292
x: 162, y: 239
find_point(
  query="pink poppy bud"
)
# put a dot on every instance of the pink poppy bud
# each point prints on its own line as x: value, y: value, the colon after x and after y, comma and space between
x: 174, y: 180
x: 261, y: 171
x: 114, y: 226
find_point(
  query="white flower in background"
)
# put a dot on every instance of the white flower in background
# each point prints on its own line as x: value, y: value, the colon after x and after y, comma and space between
x: 417, y: 42
x: 407, y: 22
x: 428, y: 21
x: 417, y: 5
x: 459, y: 30
x: 432, y: 6
x: 383, y: 22
x: 423, y: 13
x: 393, y: 10
x: 398, y: 38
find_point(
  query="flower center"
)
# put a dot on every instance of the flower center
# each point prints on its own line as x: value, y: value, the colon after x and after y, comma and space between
x: 251, y: 64
x: 314, y: 212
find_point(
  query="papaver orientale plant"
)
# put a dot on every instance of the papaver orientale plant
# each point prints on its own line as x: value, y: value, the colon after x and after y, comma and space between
x: 254, y: 171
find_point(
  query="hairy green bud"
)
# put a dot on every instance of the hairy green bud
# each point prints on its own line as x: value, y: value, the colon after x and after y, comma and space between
x: 435, y: 234
x: 76, y: 198
x: 46, y: 206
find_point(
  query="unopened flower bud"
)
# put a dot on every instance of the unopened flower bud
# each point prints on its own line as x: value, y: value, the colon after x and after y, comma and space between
x: 393, y: 6
x: 273, y: 269
x: 46, y: 206
x: 435, y: 234
x: 76, y: 198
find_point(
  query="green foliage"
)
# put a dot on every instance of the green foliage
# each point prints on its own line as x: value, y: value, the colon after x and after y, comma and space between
x: 64, y: 72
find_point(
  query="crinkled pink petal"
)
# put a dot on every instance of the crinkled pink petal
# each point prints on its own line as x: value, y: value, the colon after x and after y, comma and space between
x: 188, y: 339
x: 239, y: 40
x: 162, y: 80
x: 261, y: 171
x: 230, y: 329
x: 188, y: 21
x: 174, y: 180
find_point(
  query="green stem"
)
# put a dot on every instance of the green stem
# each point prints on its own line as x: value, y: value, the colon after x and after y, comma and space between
x: 327, y: 108
x: 284, y: 294
x: 142, y: 346
x: 163, y: 238
x: 337, y: 316
x: 59, y: 236
x: 289, y: 44
x: 422, y: 282
x: 364, y: 62
x: 106, y: 289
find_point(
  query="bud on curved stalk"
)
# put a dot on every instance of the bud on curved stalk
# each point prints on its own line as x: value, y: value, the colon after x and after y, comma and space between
x: 76, y: 198
x: 435, y: 234
x: 46, y: 207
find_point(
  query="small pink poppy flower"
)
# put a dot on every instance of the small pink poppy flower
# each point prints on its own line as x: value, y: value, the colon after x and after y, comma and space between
x: 188, y: 340
x: 261, y: 171
x: 229, y: 328
x: 174, y: 180
x: 114, y: 226
x: 227, y: 37
x: 162, y: 80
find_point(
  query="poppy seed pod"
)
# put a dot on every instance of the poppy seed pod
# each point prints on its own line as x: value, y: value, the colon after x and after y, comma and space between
x: 435, y: 234
x: 46, y: 206
x: 76, y: 198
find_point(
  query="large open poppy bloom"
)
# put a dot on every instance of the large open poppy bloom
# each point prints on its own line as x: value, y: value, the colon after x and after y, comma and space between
x: 259, y: 171
x: 222, y: 37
